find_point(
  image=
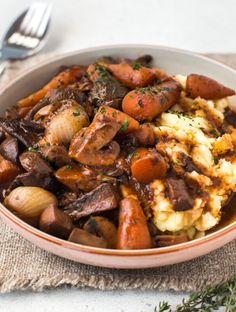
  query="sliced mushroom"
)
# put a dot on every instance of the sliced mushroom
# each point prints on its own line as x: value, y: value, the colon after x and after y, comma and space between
x: 27, y: 133
x: 83, y: 237
x: 94, y: 146
x: 9, y: 149
x: 78, y: 178
x: 56, y: 154
x: 33, y: 162
x: 47, y: 182
x: 102, y: 227
x: 102, y: 198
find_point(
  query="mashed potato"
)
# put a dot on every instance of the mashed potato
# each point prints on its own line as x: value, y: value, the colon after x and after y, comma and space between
x: 189, y: 133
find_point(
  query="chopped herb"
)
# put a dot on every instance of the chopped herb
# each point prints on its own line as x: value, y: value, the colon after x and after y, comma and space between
x: 102, y: 110
x: 92, y: 222
x: 131, y: 96
x: 216, y: 160
x: 76, y: 113
x: 69, y: 167
x: 105, y: 180
x: 140, y: 102
x: 146, y: 90
x: 162, y: 101
x: 125, y: 125
x: 130, y: 155
x: 46, y: 144
x: 102, y: 72
x: 136, y: 65
x: 213, y: 132
x: 114, y: 114
x: 95, y: 110
x: 33, y: 149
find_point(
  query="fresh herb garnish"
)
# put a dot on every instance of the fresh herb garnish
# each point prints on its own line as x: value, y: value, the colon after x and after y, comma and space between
x: 33, y: 149
x: 102, y: 110
x: 76, y: 113
x: 92, y: 222
x: 136, y: 65
x: 147, y: 90
x: 69, y: 167
x: 105, y: 180
x: 209, y: 300
x: 102, y: 72
x: 125, y: 125
x: 130, y: 155
x: 95, y: 110
x: 140, y: 102
x: 216, y: 160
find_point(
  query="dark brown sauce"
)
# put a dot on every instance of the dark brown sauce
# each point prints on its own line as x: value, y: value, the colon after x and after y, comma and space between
x: 228, y: 215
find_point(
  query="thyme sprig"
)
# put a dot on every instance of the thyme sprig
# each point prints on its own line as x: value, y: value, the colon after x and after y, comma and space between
x: 210, y: 299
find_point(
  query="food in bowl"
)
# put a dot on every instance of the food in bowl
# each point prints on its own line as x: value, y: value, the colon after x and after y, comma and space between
x: 118, y: 154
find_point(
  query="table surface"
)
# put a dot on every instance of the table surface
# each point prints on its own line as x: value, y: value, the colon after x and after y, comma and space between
x: 197, y: 25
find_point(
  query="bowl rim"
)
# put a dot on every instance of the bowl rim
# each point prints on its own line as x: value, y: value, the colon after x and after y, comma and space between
x: 7, y: 214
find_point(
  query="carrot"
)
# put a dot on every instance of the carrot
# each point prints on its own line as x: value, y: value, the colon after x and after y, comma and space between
x: 128, y: 124
x: 59, y: 81
x: 132, y: 76
x: 133, y: 231
x: 147, y: 165
x: 205, y: 87
x: 148, y: 103
x: 8, y: 171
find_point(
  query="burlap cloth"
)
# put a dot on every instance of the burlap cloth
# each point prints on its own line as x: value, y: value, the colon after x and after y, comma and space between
x: 25, y: 266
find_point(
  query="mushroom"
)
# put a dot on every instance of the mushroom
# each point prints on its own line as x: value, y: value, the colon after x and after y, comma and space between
x: 9, y: 149
x: 93, y: 145
x: 102, y: 227
x: 56, y: 154
x: 33, y: 162
x: 28, y: 133
x: 83, y: 237
x: 102, y: 198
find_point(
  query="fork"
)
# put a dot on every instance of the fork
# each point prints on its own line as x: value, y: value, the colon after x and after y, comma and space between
x: 27, y: 34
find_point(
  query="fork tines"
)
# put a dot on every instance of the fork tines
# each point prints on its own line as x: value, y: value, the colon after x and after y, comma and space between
x: 33, y: 26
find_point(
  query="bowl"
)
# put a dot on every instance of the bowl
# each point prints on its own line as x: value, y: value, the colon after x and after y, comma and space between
x: 174, y: 62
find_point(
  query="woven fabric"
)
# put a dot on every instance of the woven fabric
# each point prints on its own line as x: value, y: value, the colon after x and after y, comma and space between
x: 25, y: 266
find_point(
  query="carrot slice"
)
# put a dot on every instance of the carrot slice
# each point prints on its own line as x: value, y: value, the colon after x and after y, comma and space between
x: 59, y: 81
x: 128, y: 124
x: 147, y: 165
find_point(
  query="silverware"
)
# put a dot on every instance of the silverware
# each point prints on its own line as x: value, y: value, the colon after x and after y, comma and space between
x: 26, y: 36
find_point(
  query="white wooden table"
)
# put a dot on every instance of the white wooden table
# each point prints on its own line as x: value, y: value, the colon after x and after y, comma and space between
x: 197, y: 25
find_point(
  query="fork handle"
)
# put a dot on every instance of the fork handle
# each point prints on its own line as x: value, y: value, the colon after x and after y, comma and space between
x: 3, y: 65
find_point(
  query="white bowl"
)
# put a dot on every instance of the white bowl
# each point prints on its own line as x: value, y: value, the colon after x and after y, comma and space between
x: 174, y: 62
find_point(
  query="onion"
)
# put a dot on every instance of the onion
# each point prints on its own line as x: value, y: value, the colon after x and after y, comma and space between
x: 29, y: 201
x: 66, y: 122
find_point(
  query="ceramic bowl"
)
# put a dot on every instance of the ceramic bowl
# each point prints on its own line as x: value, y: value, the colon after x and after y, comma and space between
x: 174, y: 62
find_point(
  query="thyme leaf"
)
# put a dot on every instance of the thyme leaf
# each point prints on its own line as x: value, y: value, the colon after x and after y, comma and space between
x: 208, y: 300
